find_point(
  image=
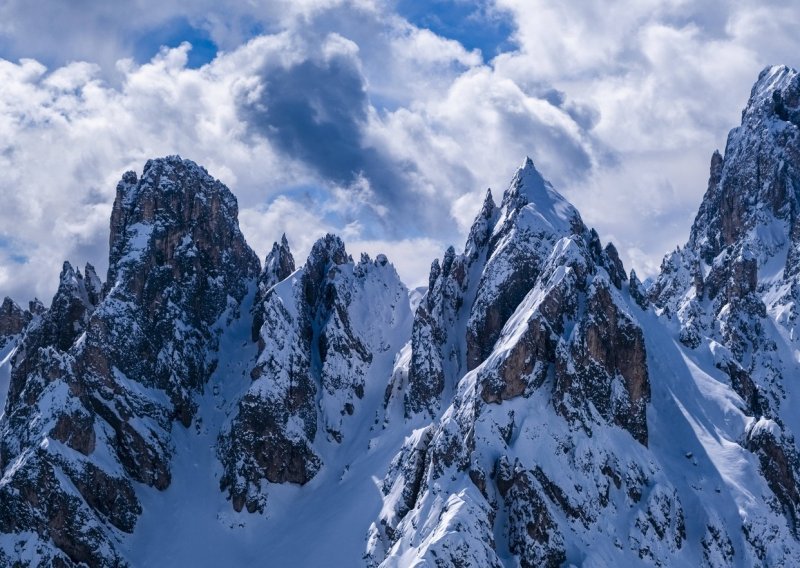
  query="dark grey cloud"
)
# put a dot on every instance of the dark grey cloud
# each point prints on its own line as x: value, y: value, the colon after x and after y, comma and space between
x: 316, y: 112
x: 565, y: 156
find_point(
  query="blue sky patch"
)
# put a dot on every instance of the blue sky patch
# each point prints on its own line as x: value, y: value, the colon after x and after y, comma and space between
x: 172, y: 34
x: 18, y: 258
x: 474, y: 25
x: 11, y: 247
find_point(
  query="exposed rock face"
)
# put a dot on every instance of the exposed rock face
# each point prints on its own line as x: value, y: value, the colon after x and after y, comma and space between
x: 755, y: 181
x: 176, y: 250
x: 471, y: 295
x: 437, y: 350
x: 732, y: 290
x: 532, y: 218
x: 107, y: 369
x: 610, y: 365
x: 13, y: 320
x: 638, y: 292
x: 548, y: 328
x: 321, y: 330
x: 533, y: 534
x: 435, y: 357
x: 475, y: 293
x: 278, y: 266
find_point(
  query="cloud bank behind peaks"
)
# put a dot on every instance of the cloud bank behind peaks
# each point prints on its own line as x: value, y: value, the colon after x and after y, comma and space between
x: 368, y: 119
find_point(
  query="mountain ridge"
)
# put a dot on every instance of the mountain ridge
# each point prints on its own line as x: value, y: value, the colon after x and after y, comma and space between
x: 539, y: 407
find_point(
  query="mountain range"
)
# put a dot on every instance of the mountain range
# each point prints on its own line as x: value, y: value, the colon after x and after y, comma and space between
x: 536, y: 405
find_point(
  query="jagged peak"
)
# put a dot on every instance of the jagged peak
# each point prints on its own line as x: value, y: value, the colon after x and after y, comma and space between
x: 129, y: 179
x: 488, y: 204
x: 69, y: 274
x: 92, y: 283
x: 159, y: 174
x: 530, y: 186
x: 531, y: 201
x: 90, y: 274
x: 326, y: 254
x: 433, y: 276
x: 175, y: 209
x: 166, y: 163
x: 482, y: 226
x: 527, y: 184
x: 447, y: 261
x: 750, y: 185
x: 613, y: 265
x: 12, y: 319
x: 771, y: 79
x: 279, y: 248
x: 278, y: 264
x: 36, y: 307
x: 73, y: 285
x: 774, y: 95
x: 328, y: 249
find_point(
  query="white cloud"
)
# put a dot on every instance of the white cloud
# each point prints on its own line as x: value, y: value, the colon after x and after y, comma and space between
x: 70, y: 136
x: 620, y: 104
x: 668, y: 80
x: 296, y: 219
x: 411, y: 257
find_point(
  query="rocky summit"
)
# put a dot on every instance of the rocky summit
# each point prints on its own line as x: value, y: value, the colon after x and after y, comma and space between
x: 536, y: 406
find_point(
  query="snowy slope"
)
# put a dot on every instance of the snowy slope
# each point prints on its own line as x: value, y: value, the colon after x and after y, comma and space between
x: 342, y: 496
x: 178, y: 529
x: 526, y: 467
x: 732, y: 290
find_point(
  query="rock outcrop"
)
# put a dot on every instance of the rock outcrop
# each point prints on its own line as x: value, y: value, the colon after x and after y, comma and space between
x: 322, y: 328
x: 13, y: 320
x: 100, y: 377
x: 278, y: 266
x: 732, y: 290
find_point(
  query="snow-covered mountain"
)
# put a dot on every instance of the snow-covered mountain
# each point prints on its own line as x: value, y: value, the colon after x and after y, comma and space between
x: 534, y: 406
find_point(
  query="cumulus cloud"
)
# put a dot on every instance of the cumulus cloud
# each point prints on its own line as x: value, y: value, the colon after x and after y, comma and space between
x: 69, y: 136
x: 57, y: 32
x: 297, y: 218
x: 342, y: 116
x: 665, y: 81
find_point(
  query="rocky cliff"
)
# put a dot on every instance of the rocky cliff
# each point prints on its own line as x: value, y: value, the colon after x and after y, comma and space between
x: 99, y: 379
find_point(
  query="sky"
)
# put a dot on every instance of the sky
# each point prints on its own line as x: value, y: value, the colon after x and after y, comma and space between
x: 381, y: 121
